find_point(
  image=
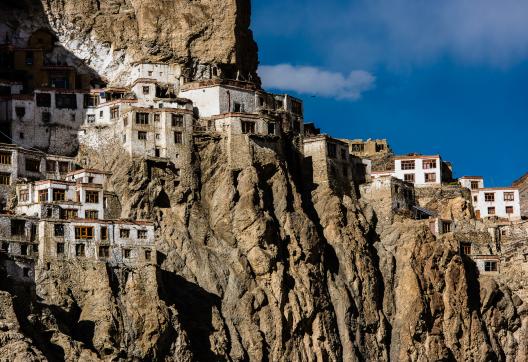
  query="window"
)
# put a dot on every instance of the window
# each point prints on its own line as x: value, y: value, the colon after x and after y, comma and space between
x: 237, y: 107
x: 124, y: 233
x: 157, y: 152
x: 69, y: 214
x: 21, y: 135
x: 358, y: 147
x: 157, y: 117
x: 428, y: 164
x: 490, y: 266
x: 178, y: 137
x: 43, y: 99
x: 466, y: 248
x: 79, y: 250
x: 23, y: 249
x: 158, y: 136
x: 343, y: 154
x: 430, y: 177
x: 142, y: 118
x: 60, y: 248
x: 148, y: 254
x: 407, y: 165
x: 142, y: 234
x: 64, y: 167
x: 46, y: 117
x: 84, y: 232
x: 474, y: 185
x: 509, y: 196
x: 5, y: 246
x: 380, y: 147
x: 104, y: 251
x: 43, y: 195
x: 491, y: 211
x: 475, y: 198
x: 146, y: 89
x: 114, y: 112
x: 446, y: 227
x: 296, y: 107
x: 51, y: 166
x: 126, y: 253
x: 150, y: 73
x: 25, y: 271
x: 248, y: 127
x: 509, y: 210
x: 177, y: 120
x: 72, y: 117
x: 332, y: 150
x: 90, y: 100
x: 68, y: 101
x: 104, y: 233
x: 29, y: 58
x: 91, y: 118
x: 271, y: 128
x: 5, y: 158
x: 409, y: 177
x: 18, y: 227
x: 489, y: 197
x: 59, y: 195
x: 125, y: 121
x: 23, y: 196
x: 58, y: 229
x: 92, y: 197
x: 101, y: 113
x: 142, y: 135
x: 32, y: 165
x: 91, y: 214
x: 20, y: 112
x: 5, y: 179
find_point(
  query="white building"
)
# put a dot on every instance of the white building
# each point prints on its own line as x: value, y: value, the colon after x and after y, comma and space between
x: 418, y: 170
x: 497, y: 202
x: 61, y: 199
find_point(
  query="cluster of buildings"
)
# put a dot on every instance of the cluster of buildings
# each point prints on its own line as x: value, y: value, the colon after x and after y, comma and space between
x: 48, y: 110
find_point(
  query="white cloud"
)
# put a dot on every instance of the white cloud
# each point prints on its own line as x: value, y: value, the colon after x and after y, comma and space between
x: 315, y: 81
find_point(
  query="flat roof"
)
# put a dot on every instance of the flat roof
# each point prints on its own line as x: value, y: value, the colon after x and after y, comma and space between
x: 471, y: 177
x: 415, y: 157
x: 325, y: 137
x: 219, y: 82
x: 88, y: 170
x: 498, y: 189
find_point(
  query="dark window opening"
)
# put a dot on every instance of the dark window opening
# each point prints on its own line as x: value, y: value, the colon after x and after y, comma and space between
x: 43, y: 100
x: 68, y: 101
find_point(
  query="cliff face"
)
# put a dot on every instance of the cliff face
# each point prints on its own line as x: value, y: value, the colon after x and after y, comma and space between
x: 253, y: 267
x: 109, y: 35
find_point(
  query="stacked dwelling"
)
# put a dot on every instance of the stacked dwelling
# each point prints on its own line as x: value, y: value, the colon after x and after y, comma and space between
x: 48, y: 110
x: 66, y: 219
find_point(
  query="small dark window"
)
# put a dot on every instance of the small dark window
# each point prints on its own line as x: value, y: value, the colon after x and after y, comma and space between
x: 91, y: 118
x: 21, y: 135
x: 79, y: 250
x: 146, y: 90
x: 25, y: 271
x: 126, y: 253
x: 124, y: 233
x: 177, y: 120
x: 59, y: 229
x: 237, y: 107
x: 60, y: 248
x: 43, y: 100
x: 104, y: 251
x: 148, y: 254
x: 20, y: 112
x: 63, y: 100
x: 46, y: 117
x: 332, y: 150
x: 178, y: 137
x: 142, y: 118
x: 23, y: 249
x: 271, y: 128
x: 32, y: 165
x: 142, y: 135
x: 5, y: 246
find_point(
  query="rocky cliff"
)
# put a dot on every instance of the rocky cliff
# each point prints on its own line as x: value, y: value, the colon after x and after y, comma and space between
x: 254, y: 265
x: 109, y: 35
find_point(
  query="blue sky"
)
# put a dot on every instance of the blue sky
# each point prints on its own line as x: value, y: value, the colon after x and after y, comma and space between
x: 446, y: 77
